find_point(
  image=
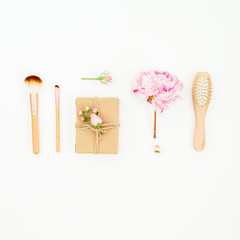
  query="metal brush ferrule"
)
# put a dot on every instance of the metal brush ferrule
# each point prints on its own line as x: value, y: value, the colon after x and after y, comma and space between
x: 34, y: 103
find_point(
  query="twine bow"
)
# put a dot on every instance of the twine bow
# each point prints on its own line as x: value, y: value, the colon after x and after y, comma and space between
x: 98, y: 132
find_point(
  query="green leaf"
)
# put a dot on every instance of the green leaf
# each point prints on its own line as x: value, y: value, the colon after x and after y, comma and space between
x: 84, y: 119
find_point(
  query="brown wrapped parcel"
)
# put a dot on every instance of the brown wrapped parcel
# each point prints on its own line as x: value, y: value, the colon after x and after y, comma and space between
x: 90, y: 141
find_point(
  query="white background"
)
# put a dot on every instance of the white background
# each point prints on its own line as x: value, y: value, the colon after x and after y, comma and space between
x: 178, y: 194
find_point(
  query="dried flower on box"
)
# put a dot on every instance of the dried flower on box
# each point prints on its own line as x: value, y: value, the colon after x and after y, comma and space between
x: 104, y: 78
x: 94, y: 109
x: 159, y: 88
x: 95, y: 120
x: 91, y: 117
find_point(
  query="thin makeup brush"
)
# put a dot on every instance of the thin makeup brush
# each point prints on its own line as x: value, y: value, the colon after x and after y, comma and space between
x: 57, y: 118
x: 34, y: 83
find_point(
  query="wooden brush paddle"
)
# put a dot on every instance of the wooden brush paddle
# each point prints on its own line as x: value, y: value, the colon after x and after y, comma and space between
x: 201, y: 92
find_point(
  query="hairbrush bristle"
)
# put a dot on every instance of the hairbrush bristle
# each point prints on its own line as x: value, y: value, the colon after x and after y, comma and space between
x: 202, y: 90
x: 33, y: 83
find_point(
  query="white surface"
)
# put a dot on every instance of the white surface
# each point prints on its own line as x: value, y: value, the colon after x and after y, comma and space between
x: 178, y: 194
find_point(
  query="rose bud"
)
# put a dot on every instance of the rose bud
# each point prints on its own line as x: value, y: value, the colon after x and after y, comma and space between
x: 157, y: 149
x: 94, y: 109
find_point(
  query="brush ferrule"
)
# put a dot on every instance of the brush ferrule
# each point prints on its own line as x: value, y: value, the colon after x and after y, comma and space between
x: 57, y: 97
x: 34, y: 103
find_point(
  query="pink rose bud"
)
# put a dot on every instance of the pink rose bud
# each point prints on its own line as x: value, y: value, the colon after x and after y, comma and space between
x: 94, y: 109
x: 86, y: 108
x: 95, y: 120
x: 79, y: 112
x: 107, y: 78
x: 157, y: 149
x: 81, y: 118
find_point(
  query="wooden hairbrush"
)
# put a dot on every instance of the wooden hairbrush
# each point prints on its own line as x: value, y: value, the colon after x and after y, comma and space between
x: 201, y: 93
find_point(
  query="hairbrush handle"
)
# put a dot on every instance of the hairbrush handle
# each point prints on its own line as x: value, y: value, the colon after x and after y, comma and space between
x: 199, y: 133
x: 35, y: 134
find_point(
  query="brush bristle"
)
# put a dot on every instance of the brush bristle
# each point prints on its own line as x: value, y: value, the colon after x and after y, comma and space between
x: 202, y: 90
x: 33, y: 83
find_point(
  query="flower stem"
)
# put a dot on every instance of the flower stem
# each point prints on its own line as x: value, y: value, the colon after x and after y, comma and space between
x: 155, y: 125
x: 90, y: 78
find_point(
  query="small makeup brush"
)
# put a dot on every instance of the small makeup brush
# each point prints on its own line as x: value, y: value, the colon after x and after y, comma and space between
x: 34, y: 83
x: 57, y: 118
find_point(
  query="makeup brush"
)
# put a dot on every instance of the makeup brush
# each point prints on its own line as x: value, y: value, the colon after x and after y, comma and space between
x: 34, y: 83
x: 57, y: 118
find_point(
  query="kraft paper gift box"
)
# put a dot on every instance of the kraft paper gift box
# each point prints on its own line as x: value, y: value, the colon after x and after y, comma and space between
x: 88, y: 141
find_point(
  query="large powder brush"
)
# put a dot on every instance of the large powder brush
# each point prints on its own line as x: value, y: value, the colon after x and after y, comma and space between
x: 34, y: 83
x: 202, y: 92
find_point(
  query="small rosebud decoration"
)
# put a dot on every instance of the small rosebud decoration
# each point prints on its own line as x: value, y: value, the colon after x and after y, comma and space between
x: 157, y: 149
x: 91, y: 117
x: 94, y: 109
x: 95, y: 120
x: 104, y: 78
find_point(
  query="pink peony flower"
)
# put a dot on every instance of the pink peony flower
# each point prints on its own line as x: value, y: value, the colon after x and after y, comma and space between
x: 158, y: 87
x: 79, y: 112
x: 95, y: 120
x: 81, y: 118
x: 94, y: 109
